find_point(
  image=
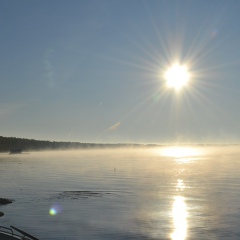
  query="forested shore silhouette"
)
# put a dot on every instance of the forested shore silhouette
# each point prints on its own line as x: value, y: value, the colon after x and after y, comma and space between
x: 25, y: 145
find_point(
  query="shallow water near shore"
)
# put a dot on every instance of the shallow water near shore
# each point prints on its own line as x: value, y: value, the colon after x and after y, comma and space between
x: 158, y: 193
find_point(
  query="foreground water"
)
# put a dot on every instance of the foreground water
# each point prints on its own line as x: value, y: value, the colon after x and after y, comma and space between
x: 159, y: 193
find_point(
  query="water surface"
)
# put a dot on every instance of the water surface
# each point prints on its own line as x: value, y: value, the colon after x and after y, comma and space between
x: 158, y: 193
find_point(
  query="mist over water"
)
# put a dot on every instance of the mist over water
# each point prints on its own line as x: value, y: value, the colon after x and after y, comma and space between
x: 159, y: 193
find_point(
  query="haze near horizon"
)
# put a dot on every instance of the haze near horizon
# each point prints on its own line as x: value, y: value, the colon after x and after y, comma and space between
x: 120, y: 71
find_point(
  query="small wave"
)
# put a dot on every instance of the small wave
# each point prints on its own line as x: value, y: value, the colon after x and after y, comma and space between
x: 80, y: 194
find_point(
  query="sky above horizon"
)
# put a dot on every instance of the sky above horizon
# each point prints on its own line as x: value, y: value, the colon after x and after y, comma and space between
x: 93, y: 71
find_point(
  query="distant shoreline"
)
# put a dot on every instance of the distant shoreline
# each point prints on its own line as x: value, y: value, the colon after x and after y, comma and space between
x: 26, y: 145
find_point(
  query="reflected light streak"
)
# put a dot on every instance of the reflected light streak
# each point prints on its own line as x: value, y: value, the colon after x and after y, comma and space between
x: 180, y: 214
x: 180, y: 185
x: 180, y: 152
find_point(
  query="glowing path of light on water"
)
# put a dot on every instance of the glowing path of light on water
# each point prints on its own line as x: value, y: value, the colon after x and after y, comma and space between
x: 179, y: 212
x: 179, y: 152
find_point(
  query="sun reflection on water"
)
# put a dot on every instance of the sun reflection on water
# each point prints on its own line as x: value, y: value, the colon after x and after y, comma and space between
x: 180, y: 185
x: 180, y: 152
x: 179, y: 212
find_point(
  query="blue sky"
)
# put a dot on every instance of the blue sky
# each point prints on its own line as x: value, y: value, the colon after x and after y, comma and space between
x: 92, y: 71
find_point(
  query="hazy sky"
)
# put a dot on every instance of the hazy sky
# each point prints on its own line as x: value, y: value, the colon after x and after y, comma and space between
x: 93, y: 71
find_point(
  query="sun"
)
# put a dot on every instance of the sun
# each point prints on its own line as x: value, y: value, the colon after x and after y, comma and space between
x: 177, y: 76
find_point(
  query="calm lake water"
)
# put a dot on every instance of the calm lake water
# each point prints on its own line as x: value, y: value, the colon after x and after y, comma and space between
x: 160, y: 193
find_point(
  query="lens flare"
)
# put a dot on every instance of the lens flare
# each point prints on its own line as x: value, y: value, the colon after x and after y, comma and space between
x: 55, y: 209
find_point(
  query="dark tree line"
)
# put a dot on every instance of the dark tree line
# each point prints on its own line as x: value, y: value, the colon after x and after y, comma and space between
x: 12, y: 143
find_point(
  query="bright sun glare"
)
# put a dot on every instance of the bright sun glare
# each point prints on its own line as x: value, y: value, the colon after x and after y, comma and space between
x: 177, y: 76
